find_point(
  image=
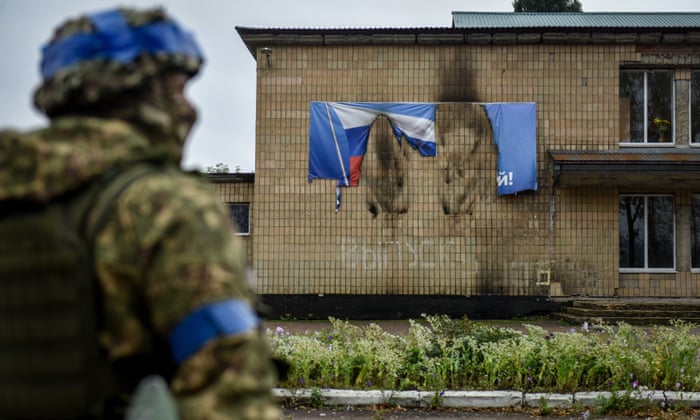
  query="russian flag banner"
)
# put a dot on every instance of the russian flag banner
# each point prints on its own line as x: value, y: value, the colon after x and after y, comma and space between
x: 339, y: 131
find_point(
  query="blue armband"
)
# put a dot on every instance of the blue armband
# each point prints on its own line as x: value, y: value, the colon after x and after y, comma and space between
x: 220, y: 319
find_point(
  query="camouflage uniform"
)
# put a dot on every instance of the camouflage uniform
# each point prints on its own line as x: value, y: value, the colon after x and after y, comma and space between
x: 168, y: 246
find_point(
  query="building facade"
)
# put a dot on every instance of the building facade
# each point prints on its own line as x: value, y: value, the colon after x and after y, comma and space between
x: 616, y: 209
x: 237, y: 190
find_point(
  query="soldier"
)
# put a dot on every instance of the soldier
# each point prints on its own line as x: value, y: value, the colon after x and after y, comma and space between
x: 173, y: 296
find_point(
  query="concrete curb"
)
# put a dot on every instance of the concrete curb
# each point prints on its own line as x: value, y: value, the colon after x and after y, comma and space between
x: 474, y: 399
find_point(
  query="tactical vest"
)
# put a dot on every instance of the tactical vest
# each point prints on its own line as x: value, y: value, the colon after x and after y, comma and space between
x: 50, y: 363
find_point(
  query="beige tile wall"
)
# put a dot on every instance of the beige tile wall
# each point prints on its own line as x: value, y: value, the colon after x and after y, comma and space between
x: 419, y: 225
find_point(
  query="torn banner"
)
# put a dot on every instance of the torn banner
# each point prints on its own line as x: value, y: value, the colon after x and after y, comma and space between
x: 514, y: 133
x: 339, y: 132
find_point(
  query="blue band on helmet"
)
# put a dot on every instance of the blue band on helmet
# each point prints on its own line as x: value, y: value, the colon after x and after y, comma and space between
x: 115, y: 40
x: 227, y: 318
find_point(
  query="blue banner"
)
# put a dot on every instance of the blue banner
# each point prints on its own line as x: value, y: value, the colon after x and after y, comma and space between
x: 514, y: 133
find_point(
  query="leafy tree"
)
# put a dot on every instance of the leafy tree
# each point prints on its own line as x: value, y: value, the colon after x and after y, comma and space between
x: 547, y: 6
x: 219, y: 168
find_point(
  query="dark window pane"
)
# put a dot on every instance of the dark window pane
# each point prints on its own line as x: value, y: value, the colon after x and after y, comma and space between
x: 660, y: 237
x: 632, y: 232
x: 240, y: 216
x: 659, y: 106
x: 695, y: 106
x: 632, y: 106
x: 695, y: 231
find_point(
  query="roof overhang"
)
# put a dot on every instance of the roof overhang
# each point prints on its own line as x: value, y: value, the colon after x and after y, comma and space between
x: 638, y: 168
x: 231, y: 178
x: 255, y: 38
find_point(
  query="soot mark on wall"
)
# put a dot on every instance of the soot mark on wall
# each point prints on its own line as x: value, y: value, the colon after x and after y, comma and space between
x: 386, y: 181
x: 461, y: 132
x: 456, y: 76
x: 462, y: 166
x: 387, y: 192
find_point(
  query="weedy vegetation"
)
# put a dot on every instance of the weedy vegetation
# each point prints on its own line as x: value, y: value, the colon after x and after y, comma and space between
x: 439, y: 353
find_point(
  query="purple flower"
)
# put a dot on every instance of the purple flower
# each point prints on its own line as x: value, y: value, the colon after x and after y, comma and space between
x: 279, y: 331
x: 301, y: 380
x: 678, y: 385
x: 635, y: 384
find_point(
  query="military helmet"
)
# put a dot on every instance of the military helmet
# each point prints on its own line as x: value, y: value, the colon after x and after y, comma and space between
x: 96, y: 56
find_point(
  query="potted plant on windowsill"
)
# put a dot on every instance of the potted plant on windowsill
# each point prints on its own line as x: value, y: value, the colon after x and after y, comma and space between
x: 662, y: 126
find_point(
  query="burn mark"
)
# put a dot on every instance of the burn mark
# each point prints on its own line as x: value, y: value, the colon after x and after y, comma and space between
x: 457, y: 82
x: 386, y: 182
x: 463, y: 159
x: 372, y: 207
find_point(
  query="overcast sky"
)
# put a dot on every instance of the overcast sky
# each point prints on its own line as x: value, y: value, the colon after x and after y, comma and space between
x: 224, y: 92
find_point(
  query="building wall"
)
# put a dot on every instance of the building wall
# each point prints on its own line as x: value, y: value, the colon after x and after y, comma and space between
x: 237, y: 192
x: 436, y: 226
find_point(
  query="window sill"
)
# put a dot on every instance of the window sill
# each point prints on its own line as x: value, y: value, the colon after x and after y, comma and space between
x: 666, y: 144
x: 649, y: 271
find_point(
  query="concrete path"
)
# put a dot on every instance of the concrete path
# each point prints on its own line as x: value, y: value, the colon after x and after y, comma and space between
x: 349, y: 404
x: 354, y: 413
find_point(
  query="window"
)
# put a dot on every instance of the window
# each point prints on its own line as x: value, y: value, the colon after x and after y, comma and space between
x: 240, y: 214
x: 695, y: 107
x: 646, y: 106
x: 647, y: 232
x: 695, y: 231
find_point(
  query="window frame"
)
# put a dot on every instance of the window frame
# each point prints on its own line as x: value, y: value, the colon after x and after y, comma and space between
x: 693, y: 268
x: 646, y: 268
x: 230, y: 206
x: 696, y: 73
x: 646, y: 118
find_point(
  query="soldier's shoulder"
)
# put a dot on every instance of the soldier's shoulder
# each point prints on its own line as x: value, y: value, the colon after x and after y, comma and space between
x: 171, y: 178
x: 173, y: 187
x: 7, y: 132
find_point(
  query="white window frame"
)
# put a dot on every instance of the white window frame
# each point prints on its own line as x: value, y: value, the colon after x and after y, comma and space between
x: 646, y: 268
x: 646, y: 142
